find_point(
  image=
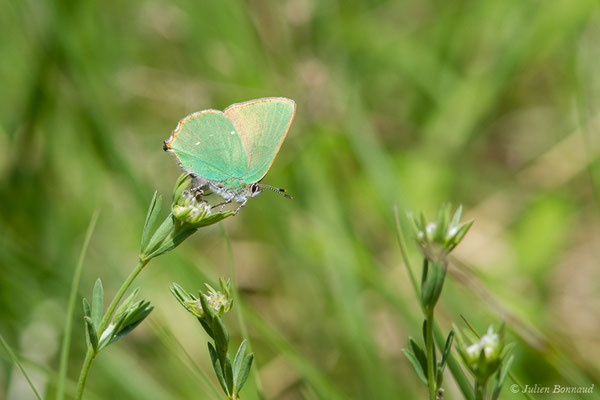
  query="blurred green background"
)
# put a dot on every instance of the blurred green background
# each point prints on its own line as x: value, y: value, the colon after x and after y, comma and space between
x: 493, y: 104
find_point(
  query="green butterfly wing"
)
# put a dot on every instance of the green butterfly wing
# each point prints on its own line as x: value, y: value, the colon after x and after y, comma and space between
x: 262, y: 125
x: 207, y: 144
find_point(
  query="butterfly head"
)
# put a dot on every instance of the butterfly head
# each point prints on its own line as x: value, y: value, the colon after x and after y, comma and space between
x: 254, y: 190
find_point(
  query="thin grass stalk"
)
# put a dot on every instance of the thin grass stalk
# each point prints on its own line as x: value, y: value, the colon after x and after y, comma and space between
x: 431, y: 382
x: 15, y: 359
x: 66, y: 342
x: 90, y: 355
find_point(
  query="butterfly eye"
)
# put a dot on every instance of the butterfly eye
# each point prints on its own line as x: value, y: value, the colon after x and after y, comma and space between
x: 254, y: 188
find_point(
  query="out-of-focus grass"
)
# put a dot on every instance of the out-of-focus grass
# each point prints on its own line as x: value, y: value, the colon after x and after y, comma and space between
x: 491, y: 103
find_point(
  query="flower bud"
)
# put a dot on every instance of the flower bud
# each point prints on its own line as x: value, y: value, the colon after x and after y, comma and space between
x: 438, y: 238
x: 220, y: 301
x: 190, y: 207
x: 484, y: 357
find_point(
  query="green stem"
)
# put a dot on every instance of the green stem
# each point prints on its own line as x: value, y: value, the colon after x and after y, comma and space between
x: 479, y: 390
x: 64, y: 354
x: 89, y: 357
x: 457, y: 372
x: 85, y: 368
x: 431, y: 381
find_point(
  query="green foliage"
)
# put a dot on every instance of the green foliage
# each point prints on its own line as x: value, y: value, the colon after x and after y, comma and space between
x: 488, y: 103
x: 188, y: 213
x: 484, y: 357
x: 209, y: 308
x: 127, y: 316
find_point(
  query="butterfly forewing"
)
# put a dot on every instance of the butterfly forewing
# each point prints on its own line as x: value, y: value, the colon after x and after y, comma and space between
x: 208, y: 145
x: 262, y: 125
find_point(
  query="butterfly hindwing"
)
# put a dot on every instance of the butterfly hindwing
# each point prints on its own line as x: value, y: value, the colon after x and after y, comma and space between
x: 262, y: 125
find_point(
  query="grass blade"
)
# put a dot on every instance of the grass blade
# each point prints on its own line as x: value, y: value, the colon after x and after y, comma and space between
x: 13, y: 357
x: 66, y: 342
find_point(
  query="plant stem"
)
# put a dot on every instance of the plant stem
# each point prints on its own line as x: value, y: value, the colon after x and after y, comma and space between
x: 457, y: 373
x: 90, y: 355
x: 430, y: 354
x: 64, y: 354
x: 479, y: 390
x: 459, y: 377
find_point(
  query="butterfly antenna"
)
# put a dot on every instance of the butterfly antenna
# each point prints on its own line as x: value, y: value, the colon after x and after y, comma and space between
x: 276, y: 190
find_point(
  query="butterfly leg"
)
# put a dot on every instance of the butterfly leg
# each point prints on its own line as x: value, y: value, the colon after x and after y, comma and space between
x: 241, y: 205
x: 223, y: 204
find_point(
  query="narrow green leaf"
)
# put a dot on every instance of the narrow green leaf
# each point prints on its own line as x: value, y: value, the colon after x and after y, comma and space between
x: 159, y: 235
x: 221, y: 336
x: 151, y: 218
x: 244, y: 372
x: 86, y: 313
x: 419, y: 354
x: 433, y: 285
x: 91, y: 330
x: 97, y: 302
x: 442, y: 364
x: 228, y: 374
x: 416, y: 365
x: 424, y: 273
x: 131, y: 325
x: 237, y: 362
x: 481, y: 368
x: 126, y: 303
x: 209, y: 314
x: 207, y: 328
x: 14, y: 359
x: 462, y: 231
x: 442, y: 223
x: 180, y: 186
x: 181, y: 294
x: 214, y: 218
x: 213, y: 353
x: 217, y: 367
x: 447, y: 349
x: 170, y: 243
x: 457, y: 216
x: 86, y: 308
x: 501, y: 377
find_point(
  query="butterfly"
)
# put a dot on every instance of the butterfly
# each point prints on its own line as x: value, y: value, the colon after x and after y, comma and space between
x: 231, y: 151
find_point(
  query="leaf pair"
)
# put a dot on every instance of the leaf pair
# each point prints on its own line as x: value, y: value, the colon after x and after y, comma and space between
x: 418, y: 359
x: 208, y: 308
x: 232, y: 377
x: 126, y: 318
x: 93, y: 315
